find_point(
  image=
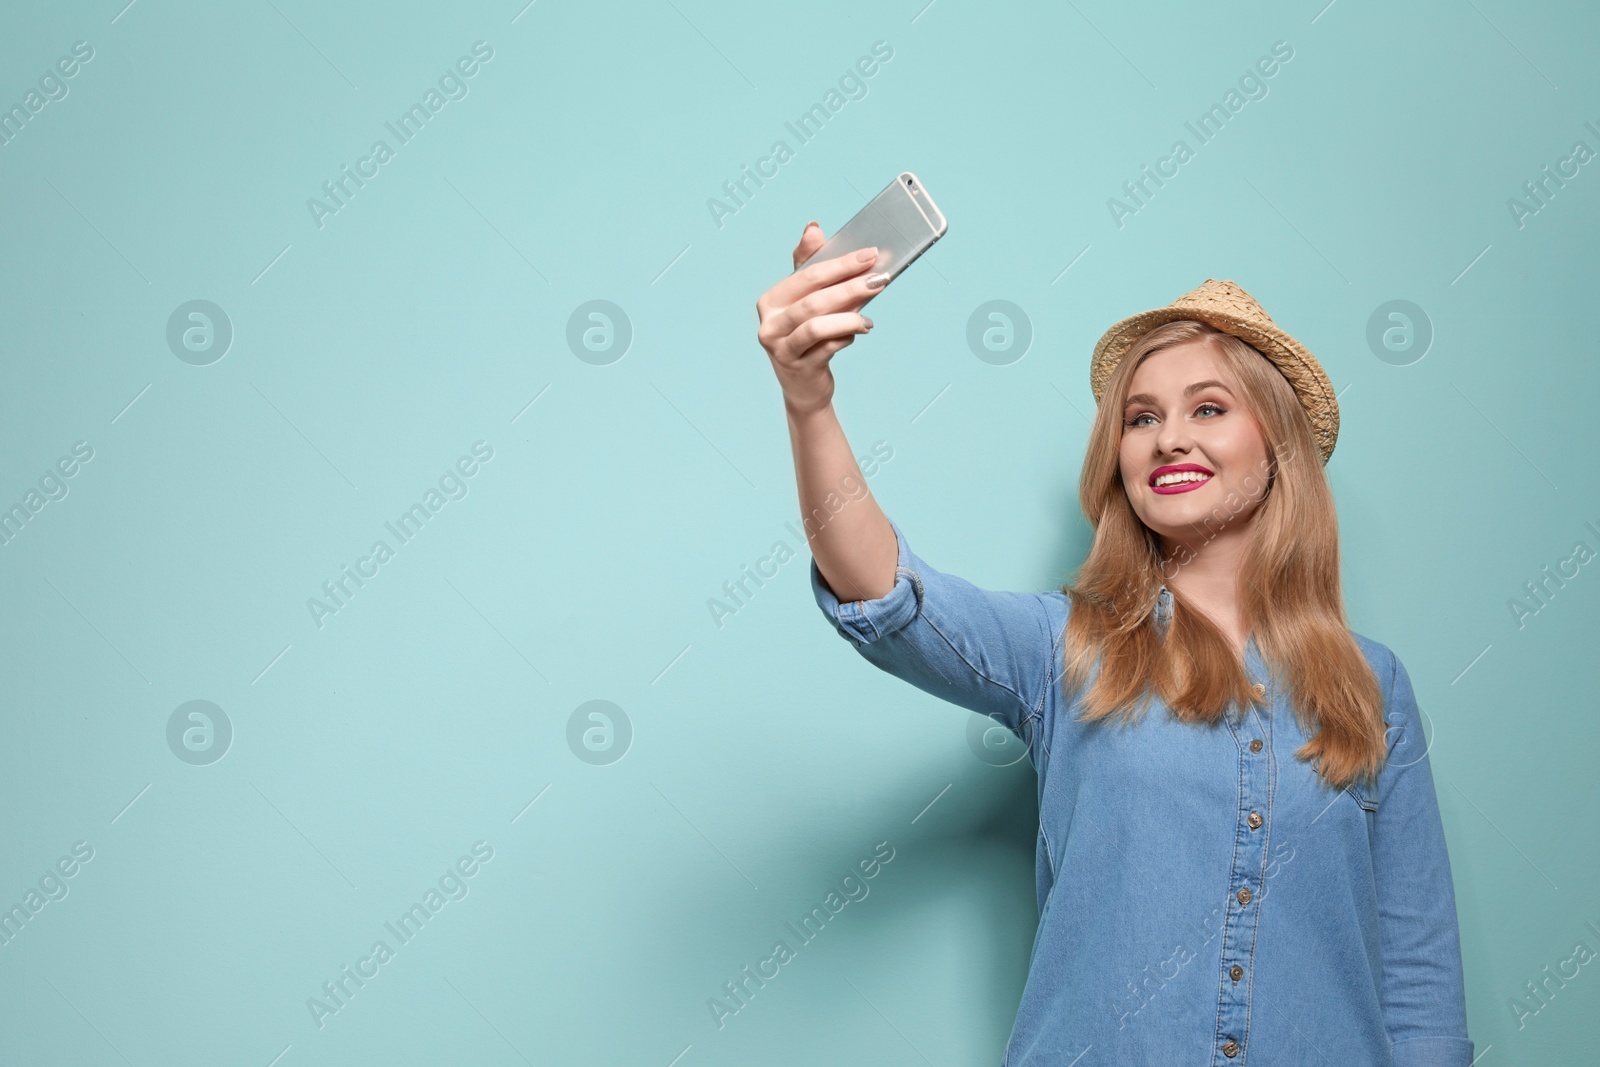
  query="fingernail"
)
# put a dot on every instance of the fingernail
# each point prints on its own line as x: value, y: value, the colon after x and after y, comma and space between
x: 866, y: 255
x: 812, y: 223
x: 867, y: 321
x: 877, y: 281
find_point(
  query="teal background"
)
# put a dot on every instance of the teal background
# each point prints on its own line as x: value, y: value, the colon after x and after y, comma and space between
x: 765, y: 758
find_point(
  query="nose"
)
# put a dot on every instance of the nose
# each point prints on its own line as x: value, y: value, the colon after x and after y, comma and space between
x: 1173, y: 437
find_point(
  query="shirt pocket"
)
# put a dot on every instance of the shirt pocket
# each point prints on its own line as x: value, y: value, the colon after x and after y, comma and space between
x: 1366, y: 797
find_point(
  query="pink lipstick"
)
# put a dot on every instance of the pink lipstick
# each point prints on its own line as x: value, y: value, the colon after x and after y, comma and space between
x: 1182, y: 484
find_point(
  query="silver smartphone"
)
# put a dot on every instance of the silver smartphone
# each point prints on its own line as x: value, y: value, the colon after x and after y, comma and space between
x: 902, y: 222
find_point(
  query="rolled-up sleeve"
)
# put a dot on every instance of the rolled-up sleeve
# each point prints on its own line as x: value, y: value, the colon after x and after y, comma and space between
x: 1424, y: 1003
x: 987, y: 651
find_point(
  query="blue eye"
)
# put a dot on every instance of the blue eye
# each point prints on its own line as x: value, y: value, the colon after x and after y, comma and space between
x: 1140, y: 418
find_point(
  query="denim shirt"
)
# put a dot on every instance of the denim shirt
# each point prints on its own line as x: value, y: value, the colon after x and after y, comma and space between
x: 1203, y: 897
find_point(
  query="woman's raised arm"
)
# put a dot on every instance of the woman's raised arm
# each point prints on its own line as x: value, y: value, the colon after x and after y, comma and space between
x: 991, y: 652
x: 805, y: 319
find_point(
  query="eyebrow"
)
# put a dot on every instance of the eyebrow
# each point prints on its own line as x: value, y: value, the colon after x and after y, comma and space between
x: 1146, y: 398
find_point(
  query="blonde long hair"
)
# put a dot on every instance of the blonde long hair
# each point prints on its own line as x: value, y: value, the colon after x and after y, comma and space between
x: 1289, y: 591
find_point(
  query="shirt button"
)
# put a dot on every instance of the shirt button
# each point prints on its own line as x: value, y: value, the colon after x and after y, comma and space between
x: 1236, y: 972
x: 1230, y: 1049
x: 1254, y: 820
x: 1259, y: 689
x: 1255, y: 745
x: 1244, y: 895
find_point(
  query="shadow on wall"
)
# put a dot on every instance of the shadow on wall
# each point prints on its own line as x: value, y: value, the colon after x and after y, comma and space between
x: 944, y: 928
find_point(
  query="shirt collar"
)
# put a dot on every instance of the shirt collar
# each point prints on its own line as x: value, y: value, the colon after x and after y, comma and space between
x: 1254, y: 665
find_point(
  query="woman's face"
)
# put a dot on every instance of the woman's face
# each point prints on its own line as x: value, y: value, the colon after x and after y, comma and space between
x: 1184, y: 412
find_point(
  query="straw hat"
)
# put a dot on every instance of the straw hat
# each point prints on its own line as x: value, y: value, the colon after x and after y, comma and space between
x: 1229, y: 308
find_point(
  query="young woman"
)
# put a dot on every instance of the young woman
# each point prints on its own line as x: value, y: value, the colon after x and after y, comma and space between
x: 1240, y: 856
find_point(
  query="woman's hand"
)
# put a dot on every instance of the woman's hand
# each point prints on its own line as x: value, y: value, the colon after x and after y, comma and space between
x: 810, y: 315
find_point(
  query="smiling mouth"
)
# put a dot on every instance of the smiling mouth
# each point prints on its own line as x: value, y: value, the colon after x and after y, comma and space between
x: 1179, y: 481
